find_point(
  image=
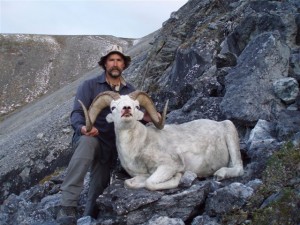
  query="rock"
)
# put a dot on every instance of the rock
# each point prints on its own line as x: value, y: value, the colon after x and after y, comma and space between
x: 187, y: 179
x: 254, y: 184
x: 295, y: 62
x: 212, y: 26
x: 23, y: 162
x: 227, y: 59
x: 271, y: 199
x: 163, y: 220
x: 187, y: 65
x: 228, y: 199
x: 204, y: 220
x: 40, y: 136
x: 261, y: 138
x: 296, y: 139
x: 87, y: 220
x: 249, y: 88
x: 140, y: 205
x: 288, y: 124
x: 197, y: 108
x: 262, y: 143
x: 18, y: 210
x: 286, y: 89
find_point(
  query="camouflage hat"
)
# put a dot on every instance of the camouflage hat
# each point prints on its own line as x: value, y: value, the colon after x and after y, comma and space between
x: 114, y: 49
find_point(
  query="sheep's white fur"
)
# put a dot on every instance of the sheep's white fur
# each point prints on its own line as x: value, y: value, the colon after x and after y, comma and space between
x: 156, y: 159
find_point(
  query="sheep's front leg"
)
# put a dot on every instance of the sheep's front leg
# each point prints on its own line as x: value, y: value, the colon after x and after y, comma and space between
x: 225, y: 172
x: 136, y: 182
x: 165, y: 177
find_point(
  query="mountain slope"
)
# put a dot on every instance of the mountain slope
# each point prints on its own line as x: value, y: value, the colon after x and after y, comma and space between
x: 37, y: 65
x: 40, y: 132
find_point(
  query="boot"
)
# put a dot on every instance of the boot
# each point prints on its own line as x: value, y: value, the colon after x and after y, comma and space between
x: 91, y: 210
x: 67, y: 214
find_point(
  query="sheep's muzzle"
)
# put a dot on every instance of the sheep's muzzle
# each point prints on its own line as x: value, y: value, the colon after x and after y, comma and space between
x: 126, y: 112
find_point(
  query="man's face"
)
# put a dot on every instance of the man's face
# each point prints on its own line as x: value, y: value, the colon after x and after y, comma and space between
x: 114, y: 65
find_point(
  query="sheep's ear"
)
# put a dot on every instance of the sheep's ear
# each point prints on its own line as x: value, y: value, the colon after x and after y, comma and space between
x: 109, y: 118
x: 140, y: 115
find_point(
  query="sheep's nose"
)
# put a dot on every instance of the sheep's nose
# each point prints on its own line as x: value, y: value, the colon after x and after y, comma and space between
x: 126, y: 107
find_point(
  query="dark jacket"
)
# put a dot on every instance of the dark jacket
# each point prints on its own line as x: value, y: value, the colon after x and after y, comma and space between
x: 86, y: 92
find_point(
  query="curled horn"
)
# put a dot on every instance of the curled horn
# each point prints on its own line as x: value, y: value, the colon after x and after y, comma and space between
x: 100, y: 102
x: 146, y: 102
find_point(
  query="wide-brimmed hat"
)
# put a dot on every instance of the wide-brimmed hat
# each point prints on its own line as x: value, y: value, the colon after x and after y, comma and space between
x: 114, y: 49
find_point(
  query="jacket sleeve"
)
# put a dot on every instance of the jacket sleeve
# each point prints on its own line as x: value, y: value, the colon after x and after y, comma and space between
x: 77, y: 115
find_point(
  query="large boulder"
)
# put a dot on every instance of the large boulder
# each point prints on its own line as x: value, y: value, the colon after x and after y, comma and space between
x: 249, y: 86
x: 139, y: 206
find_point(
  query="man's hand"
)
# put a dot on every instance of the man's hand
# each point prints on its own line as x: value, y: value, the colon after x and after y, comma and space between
x: 147, y: 117
x: 94, y: 132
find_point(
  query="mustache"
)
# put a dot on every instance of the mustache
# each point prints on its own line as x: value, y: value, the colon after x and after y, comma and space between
x: 115, y: 68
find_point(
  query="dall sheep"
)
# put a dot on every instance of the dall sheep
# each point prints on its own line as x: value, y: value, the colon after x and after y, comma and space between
x: 157, y: 156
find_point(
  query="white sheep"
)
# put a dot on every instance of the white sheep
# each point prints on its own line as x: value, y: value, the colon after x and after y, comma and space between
x: 157, y: 156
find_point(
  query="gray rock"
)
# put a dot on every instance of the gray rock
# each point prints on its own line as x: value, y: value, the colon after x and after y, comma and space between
x: 262, y: 143
x: 23, y: 162
x: 227, y: 59
x: 296, y: 139
x: 204, y: 220
x: 139, y: 206
x: 212, y: 26
x: 295, y: 62
x: 163, y: 220
x: 262, y: 134
x: 228, y: 199
x: 249, y: 92
x: 197, y: 108
x: 87, y: 220
x: 187, y: 179
x: 189, y: 64
x: 254, y: 184
x: 288, y: 124
x: 286, y: 89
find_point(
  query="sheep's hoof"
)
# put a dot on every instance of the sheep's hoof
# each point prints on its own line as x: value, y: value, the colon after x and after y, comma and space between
x: 220, y: 174
x: 132, y: 183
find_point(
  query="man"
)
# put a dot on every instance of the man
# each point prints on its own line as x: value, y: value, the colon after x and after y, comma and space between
x: 94, y: 149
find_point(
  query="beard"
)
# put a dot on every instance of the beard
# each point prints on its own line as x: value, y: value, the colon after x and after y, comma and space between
x: 114, y: 72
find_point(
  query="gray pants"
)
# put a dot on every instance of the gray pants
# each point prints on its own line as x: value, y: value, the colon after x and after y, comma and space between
x: 89, y: 152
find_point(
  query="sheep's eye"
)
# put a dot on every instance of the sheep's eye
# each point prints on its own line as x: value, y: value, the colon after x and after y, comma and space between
x: 112, y: 108
x: 138, y: 107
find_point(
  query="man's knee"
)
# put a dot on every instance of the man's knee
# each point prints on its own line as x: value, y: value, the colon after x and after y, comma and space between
x: 86, y: 147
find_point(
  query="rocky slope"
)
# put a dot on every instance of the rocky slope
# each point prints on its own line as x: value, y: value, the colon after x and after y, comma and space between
x: 36, y: 65
x: 41, y: 134
x: 237, y: 60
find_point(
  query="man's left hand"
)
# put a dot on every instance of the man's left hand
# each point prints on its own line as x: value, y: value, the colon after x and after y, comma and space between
x: 147, y: 117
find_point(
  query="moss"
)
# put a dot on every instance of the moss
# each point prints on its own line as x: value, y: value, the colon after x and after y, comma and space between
x: 282, y: 167
x: 277, y: 201
x: 284, y: 210
x: 280, y: 177
x: 49, y: 177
